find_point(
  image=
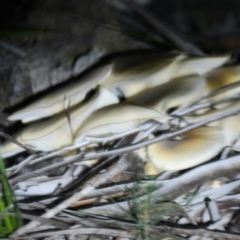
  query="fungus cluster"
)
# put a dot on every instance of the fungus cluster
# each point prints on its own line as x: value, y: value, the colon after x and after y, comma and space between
x: 151, y: 87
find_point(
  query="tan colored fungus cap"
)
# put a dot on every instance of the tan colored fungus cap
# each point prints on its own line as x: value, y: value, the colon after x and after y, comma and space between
x: 195, y: 147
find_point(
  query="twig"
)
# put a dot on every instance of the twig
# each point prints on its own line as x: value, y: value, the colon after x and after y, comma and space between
x: 182, y: 43
x: 163, y: 137
x: 59, y: 152
x: 12, y: 49
x: 44, y: 221
x: 122, y: 188
x: 207, y: 172
x: 222, y: 222
x: 170, y: 189
x: 21, y: 165
x: 205, y: 105
x: 11, y: 139
x: 42, y: 171
x: 208, y: 95
x: 162, y: 228
x: 84, y: 231
x: 197, y: 231
x: 143, y: 127
x: 122, y: 165
x: 88, y: 140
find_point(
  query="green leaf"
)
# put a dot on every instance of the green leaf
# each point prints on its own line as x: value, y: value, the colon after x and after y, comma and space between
x: 8, y: 224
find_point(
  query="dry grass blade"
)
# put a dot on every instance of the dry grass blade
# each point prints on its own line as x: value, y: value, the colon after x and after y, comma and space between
x: 207, y: 105
x: 122, y: 165
x: 181, y: 42
x: 45, y: 169
x: 44, y: 221
x: 84, y: 231
x: 170, y: 189
x: 11, y: 139
x: 12, y: 49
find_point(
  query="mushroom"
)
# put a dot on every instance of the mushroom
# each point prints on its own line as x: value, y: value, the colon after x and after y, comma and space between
x: 63, y: 98
x: 171, y: 94
x: 229, y: 125
x: 199, y: 65
x: 194, y: 147
x: 132, y: 74
x: 221, y: 77
x: 57, y: 132
x: 129, y: 74
x: 157, y: 71
x: 116, y: 118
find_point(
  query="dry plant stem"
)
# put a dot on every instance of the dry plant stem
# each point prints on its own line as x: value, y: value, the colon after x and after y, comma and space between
x: 192, y: 178
x: 84, y: 231
x: 22, y: 164
x: 117, y: 136
x: 173, y: 188
x: 18, y: 167
x: 163, y: 137
x: 178, y: 229
x: 51, y: 222
x: 121, y: 166
x: 120, y: 188
x: 146, y: 134
x: 159, y: 229
x: 222, y: 222
x: 206, y: 105
x: 59, y: 153
x: 200, y: 232
x: 12, y: 49
x: 208, y: 95
x: 11, y: 139
x: 87, y: 141
x: 166, y: 175
x: 31, y: 160
x: 78, y: 220
x: 181, y: 42
x: 42, y: 171
x: 126, y: 225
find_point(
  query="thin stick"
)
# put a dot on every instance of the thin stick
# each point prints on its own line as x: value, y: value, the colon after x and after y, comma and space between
x: 42, y: 171
x: 44, y: 221
x: 170, y: 189
x: 163, y: 137
x: 121, y: 166
x: 84, y: 231
x: 15, y: 141
x: 117, y: 136
x: 208, y: 95
x: 12, y: 49
x: 205, y: 105
x: 59, y: 152
x: 161, y: 228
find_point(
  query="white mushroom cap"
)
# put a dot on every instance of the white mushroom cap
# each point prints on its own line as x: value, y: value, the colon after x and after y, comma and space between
x: 171, y: 94
x: 55, y: 133
x: 148, y: 72
x: 199, y: 65
x: 59, y: 100
x: 117, y: 118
